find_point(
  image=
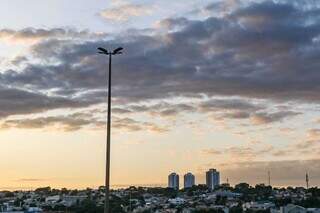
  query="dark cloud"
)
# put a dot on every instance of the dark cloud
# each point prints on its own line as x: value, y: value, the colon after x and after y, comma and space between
x: 265, y: 50
x: 17, y: 102
x: 229, y: 105
x: 265, y: 117
x: 244, y: 109
x: 236, y: 115
x: 130, y: 124
x: 90, y: 119
x: 162, y: 109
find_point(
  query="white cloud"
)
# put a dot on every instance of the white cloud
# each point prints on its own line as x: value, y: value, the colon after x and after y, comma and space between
x: 125, y: 12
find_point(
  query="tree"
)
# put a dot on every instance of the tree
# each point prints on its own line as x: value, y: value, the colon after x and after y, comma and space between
x: 88, y: 206
x: 315, y: 191
x: 263, y: 191
x: 43, y: 190
x: 312, y: 202
x: 221, y: 200
x: 18, y: 202
x: 64, y: 191
x: 242, y: 187
x: 208, y: 211
x: 236, y: 209
x: 283, y: 202
x: 8, y: 194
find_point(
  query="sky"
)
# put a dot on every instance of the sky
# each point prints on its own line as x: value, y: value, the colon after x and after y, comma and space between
x: 231, y: 85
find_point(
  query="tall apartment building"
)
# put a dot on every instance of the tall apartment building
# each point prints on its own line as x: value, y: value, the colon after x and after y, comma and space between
x: 189, y: 180
x: 173, y: 181
x: 212, y: 178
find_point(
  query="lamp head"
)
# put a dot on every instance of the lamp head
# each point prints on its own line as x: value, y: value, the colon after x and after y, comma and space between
x: 117, y: 51
x: 103, y: 51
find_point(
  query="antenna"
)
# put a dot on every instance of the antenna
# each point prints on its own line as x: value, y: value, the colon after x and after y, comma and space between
x: 307, y: 180
x: 269, y: 179
x: 227, y: 180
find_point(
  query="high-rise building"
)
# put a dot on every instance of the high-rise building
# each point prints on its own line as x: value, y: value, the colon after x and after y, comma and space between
x: 189, y: 180
x: 212, y: 178
x: 173, y: 181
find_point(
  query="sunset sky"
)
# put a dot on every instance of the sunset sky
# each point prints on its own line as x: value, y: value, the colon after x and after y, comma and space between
x: 232, y: 85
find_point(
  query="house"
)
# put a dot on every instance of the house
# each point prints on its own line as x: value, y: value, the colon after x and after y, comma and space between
x: 259, y: 205
x: 34, y: 210
x: 177, y: 201
x: 53, y: 199
x: 70, y: 200
x: 313, y: 210
x: 290, y: 208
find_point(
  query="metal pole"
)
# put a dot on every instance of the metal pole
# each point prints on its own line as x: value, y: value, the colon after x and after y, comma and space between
x: 130, y: 200
x: 107, y: 180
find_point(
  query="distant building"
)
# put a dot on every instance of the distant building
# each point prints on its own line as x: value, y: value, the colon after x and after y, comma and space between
x: 177, y: 201
x: 290, y: 208
x: 173, y: 181
x: 212, y: 178
x: 189, y: 180
x: 258, y: 206
x: 53, y: 199
x: 69, y: 200
x: 34, y: 210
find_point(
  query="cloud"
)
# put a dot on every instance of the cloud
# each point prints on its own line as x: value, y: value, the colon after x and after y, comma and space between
x: 134, y: 143
x: 281, y: 153
x: 219, y: 8
x: 173, y: 23
x: 89, y: 119
x: 31, y: 180
x: 65, y: 123
x: 134, y: 125
x: 201, y: 58
x: 268, y: 60
x: 283, y: 173
x: 286, y: 130
x: 230, y: 108
x: 34, y: 35
x: 211, y: 152
x: 229, y: 104
x: 243, y: 109
x: 265, y: 118
x: 314, y: 133
x: 125, y: 12
x: 19, y: 102
x: 162, y: 109
x: 236, y: 115
x: 241, y: 153
x: 308, y: 144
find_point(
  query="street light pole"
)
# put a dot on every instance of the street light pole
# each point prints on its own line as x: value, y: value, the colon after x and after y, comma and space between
x: 107, y: 177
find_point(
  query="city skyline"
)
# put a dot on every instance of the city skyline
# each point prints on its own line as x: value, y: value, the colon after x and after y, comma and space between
x: 232, y: 85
